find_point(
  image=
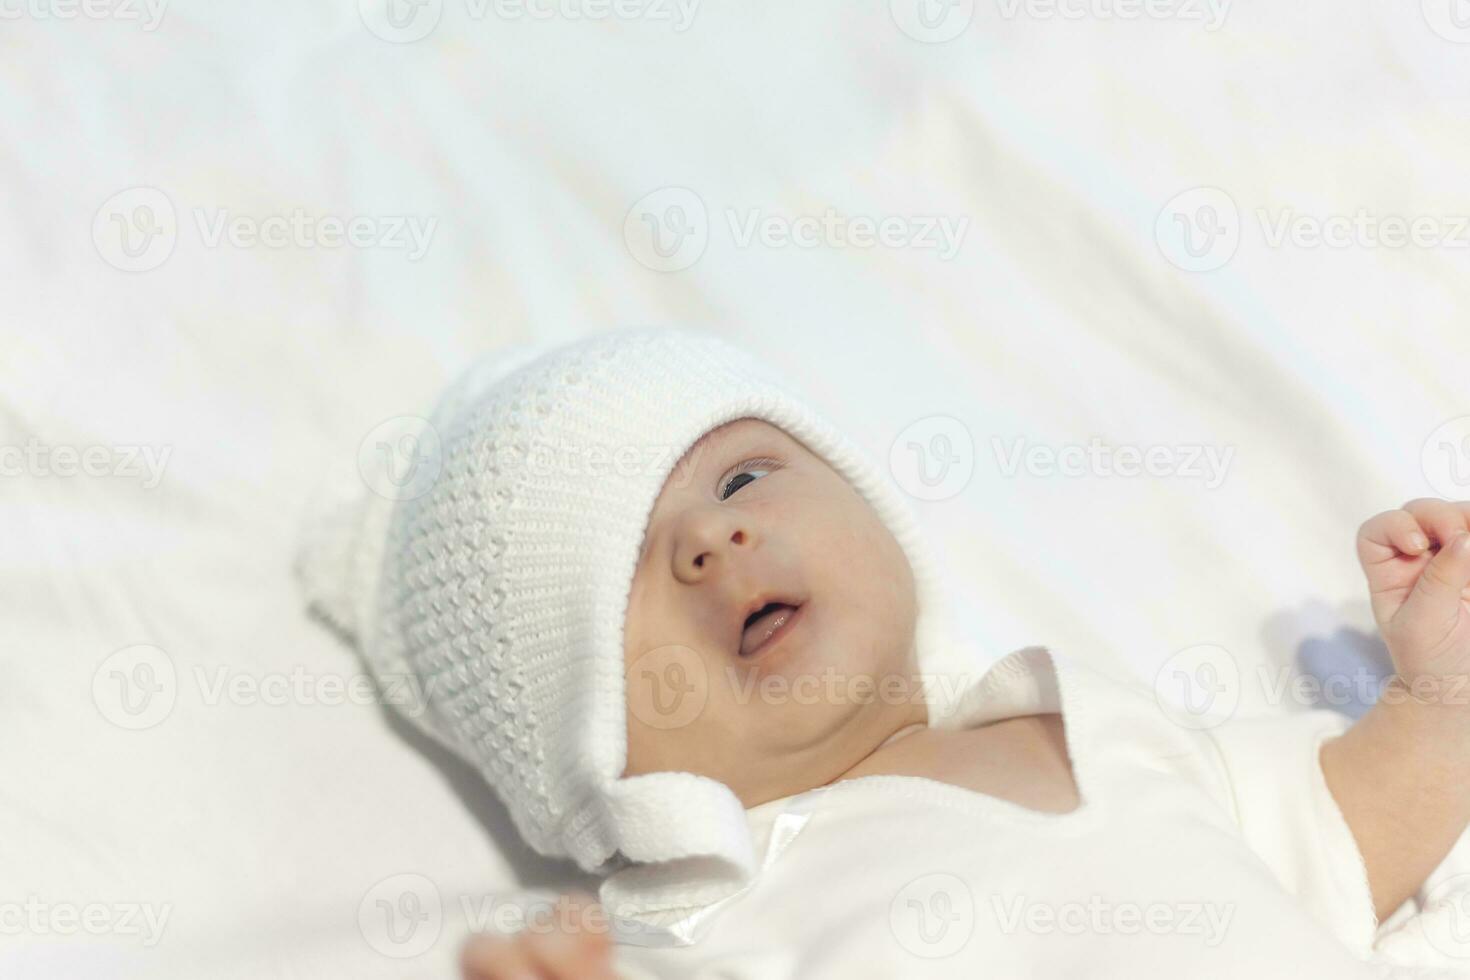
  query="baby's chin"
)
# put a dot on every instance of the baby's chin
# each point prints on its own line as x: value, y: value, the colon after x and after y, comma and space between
x: 844, y: 662
x: 811, y: 744
x: 819, y: 690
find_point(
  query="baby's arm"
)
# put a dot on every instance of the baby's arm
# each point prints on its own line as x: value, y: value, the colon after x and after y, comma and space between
x: 1401, y: 775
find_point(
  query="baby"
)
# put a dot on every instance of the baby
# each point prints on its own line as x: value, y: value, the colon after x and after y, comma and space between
x: 720, y: 676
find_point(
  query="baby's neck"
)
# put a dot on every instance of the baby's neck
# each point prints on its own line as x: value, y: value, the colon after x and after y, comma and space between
x: 905, y: 730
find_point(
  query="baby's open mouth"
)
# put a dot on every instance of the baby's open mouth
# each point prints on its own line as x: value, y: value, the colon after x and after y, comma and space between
x: 765, y: 627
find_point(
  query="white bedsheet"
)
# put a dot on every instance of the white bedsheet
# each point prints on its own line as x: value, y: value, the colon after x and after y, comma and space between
x: 267, y: 827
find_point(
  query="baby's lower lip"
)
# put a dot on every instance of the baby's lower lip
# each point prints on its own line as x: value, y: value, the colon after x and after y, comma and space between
x: 777, y: 635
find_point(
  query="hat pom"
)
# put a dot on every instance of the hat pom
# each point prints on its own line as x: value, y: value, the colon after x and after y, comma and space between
x: 344, y: 537
x: 341, y: 553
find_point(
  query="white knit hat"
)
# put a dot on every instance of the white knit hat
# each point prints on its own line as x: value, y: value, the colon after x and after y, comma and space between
x: 500, y: 584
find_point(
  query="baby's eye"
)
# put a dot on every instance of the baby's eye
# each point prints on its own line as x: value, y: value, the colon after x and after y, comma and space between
x: 733, y: 482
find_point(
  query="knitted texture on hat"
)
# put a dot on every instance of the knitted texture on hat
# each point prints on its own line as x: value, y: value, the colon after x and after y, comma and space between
x: 502, y: 588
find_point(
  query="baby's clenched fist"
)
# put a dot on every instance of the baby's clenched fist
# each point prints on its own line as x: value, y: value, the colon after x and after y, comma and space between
x: 1417, y: 561
x: 573, y: 948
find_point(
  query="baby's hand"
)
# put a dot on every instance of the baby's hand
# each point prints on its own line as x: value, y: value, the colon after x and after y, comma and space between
x: 567, y: 951
x: 1417, y: 560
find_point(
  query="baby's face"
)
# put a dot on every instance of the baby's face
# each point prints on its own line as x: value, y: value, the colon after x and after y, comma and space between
x: 750, y: 513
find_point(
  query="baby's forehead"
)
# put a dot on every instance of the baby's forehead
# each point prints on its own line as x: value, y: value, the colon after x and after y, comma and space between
x: 735, y: 431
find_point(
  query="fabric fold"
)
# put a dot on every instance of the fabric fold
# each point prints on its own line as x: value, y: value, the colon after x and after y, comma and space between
x: 1289, y: 817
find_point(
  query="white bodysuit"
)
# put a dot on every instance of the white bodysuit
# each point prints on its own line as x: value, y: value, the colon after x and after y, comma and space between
x: 1196, y: 852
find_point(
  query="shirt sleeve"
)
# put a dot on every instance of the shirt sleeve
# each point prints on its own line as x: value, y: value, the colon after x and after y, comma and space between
x: 1289, y: 817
